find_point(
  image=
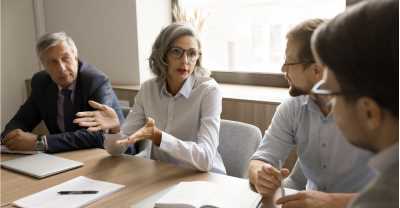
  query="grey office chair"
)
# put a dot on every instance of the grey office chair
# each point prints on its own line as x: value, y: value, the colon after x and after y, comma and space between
x: 237, y: 143
x: 125, y: 110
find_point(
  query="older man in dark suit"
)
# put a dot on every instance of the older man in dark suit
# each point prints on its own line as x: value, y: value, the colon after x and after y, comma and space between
x: 58, y: 92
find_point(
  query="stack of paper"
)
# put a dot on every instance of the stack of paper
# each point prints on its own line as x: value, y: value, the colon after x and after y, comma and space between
x: 50, y: 198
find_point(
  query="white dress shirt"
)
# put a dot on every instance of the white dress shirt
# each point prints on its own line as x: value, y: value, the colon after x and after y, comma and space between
x: 189, y: 122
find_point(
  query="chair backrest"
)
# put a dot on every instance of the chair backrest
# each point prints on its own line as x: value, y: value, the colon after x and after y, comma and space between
x: 237, y: 143
x: 125, y: 110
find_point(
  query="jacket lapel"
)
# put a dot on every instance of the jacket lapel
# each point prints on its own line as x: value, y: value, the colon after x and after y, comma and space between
x: 78, y: 97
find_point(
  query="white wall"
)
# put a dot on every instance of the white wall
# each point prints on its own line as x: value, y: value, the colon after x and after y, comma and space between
x: 116, y: 36
x: 104, y: 32
x: 152, y: 16
x: 18, y: 59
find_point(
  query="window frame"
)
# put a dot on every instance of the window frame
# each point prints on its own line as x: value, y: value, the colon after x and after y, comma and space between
x: 248, y: 78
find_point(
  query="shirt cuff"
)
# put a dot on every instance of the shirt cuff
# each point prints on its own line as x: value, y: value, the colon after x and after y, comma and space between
x: 168, y: 142
x: 46, y: 146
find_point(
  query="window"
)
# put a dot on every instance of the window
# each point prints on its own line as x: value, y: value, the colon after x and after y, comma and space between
x: 250, y: 35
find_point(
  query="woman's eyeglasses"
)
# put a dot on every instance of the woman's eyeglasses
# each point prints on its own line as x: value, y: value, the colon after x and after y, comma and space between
x: 191, y: 54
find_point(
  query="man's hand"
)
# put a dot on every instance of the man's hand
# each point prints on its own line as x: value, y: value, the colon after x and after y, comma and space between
x: 266, y: 179
x: 103, y: 118
x: 20, y: 140
x: 317, y: 199
x: 148, y: 131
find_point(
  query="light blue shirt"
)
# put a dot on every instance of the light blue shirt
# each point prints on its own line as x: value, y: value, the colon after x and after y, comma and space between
x: 189, y: 121
x: 328, y: 161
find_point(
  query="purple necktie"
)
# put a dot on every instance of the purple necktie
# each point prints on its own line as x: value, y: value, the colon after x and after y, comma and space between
x: 68, y: 110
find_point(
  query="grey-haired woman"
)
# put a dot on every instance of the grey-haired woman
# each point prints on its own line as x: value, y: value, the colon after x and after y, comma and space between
x: 176, y: 116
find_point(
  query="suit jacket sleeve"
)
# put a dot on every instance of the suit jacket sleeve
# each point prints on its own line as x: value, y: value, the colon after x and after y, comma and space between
x: 26, y: 118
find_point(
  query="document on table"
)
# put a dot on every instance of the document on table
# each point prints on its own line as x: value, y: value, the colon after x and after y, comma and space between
x: 50, y: 197
x: 197, y: 194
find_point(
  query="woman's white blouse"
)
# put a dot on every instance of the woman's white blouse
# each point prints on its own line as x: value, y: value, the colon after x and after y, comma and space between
x: 189, y: 121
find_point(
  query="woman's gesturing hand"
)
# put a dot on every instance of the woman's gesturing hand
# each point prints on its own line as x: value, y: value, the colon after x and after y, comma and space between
x: 148, y: 131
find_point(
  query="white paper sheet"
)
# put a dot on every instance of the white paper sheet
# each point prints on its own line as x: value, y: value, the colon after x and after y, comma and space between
x: 49, y: 198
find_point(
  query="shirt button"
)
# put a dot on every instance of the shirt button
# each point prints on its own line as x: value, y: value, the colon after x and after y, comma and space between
x: 323, y: 145
x: 323, y: 166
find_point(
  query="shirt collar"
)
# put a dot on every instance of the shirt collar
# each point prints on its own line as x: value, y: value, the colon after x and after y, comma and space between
x: 185, y: 90
x: 310, y: 104
x: 70, y: 87
x: 384, y: 159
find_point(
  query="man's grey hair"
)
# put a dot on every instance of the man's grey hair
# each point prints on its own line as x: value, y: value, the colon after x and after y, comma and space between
x: 51, y: 39
x: 162, y: 45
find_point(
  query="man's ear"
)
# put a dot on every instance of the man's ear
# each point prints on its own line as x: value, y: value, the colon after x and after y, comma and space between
x: 370, y: 112
x: 317, y: 70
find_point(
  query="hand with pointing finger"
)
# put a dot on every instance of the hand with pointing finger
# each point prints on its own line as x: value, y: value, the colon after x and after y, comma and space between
x: 103, y: 118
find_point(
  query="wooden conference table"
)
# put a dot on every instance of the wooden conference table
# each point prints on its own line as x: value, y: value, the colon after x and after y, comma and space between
x: 144, y: 179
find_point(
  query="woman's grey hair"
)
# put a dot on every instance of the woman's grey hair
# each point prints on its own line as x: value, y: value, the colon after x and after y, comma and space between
x: 162, y: 45
x: 51, y: 39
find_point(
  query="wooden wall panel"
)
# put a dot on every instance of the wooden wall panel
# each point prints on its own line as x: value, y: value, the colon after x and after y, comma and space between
x: 258, y: 114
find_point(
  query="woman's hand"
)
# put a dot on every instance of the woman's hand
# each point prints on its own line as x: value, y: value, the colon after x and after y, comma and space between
x: 104, y: 118
x: 148, y: 131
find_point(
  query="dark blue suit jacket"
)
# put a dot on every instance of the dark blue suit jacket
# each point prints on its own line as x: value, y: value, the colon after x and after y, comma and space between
x: 91, y: 84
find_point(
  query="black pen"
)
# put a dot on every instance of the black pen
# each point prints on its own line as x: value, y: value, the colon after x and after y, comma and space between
x: 77, y: 192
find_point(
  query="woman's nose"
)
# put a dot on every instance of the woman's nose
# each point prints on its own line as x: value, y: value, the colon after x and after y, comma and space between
x: 185, y: 58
